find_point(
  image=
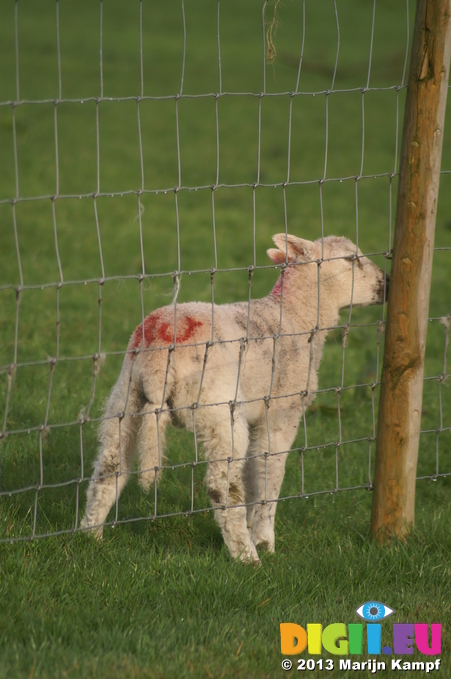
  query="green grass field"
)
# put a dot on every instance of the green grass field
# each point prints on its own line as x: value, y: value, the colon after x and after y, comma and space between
x: 162, y: 598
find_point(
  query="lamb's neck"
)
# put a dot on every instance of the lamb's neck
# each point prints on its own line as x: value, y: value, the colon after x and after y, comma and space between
x: 300, y: 302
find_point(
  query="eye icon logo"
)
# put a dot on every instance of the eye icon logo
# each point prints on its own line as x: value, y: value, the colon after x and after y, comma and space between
x: 374, y: 611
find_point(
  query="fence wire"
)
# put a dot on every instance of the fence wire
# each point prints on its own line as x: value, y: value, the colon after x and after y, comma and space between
x: 12, y: 428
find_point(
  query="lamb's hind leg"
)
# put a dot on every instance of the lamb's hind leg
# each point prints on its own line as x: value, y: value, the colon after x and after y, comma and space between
x: 225, y: 450
x: 112, y: 468
x: 151, y: 442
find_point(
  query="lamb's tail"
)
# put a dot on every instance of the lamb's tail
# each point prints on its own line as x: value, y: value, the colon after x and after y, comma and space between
x: 136, y: 416
x: 151, y: 444
x: 152, y: 416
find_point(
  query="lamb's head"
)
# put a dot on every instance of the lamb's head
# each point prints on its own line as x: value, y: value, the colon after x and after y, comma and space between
x: 345, y: 274
x: 345, y: 268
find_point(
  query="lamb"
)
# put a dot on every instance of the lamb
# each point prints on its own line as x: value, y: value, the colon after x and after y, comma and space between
x: 241, y: 375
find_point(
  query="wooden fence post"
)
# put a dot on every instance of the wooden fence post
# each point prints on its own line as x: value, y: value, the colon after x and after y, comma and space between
x: 398, y: 430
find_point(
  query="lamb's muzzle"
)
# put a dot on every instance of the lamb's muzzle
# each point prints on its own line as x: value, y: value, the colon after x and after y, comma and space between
x: 384, y: 284
x: 241, y: 385
x: 387, y: 285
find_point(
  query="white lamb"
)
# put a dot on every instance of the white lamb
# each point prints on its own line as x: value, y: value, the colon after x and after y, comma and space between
x: 241, y: 374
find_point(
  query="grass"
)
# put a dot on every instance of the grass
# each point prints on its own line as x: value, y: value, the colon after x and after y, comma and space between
x: 162, y: 599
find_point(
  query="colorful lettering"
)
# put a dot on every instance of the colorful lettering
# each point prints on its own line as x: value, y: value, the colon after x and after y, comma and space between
x: 403, y: 638
x: 293, y: 638
x: 335, y: 639
x: 422, y: 638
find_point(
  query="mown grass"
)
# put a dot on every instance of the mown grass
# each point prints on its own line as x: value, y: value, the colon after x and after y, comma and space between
x: 161, y: 598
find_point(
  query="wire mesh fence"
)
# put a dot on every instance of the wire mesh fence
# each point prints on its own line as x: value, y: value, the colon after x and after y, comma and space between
x: 114, y: 205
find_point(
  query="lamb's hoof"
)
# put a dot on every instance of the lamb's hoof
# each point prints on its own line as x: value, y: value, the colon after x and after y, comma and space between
x: 264, y: 539
x: 265, y: 546
x: 95, y: 532
x: 249, y: 555
x: 149, y: 478
x: 145, y: 483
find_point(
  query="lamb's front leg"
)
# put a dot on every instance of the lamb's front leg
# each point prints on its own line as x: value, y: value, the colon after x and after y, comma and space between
x: 265, y: 473
x: 225, y: 451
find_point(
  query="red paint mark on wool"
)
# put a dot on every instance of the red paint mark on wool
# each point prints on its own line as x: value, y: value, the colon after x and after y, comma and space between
x: 150, y: 332
x: 185, y: 330
x: 277, y: 289
x: 155, y: 329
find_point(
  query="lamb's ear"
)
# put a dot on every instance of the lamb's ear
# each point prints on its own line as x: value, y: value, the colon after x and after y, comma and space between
x: 276, y: 256
x: 283, y: 242
x: 299, y: 248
